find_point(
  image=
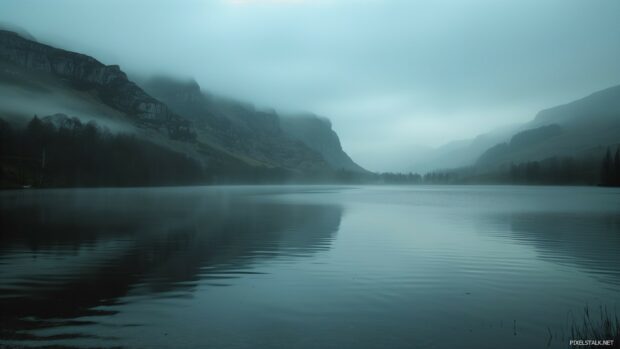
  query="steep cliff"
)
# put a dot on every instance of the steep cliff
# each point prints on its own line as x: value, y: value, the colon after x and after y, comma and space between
x: 237, y: 127
x: 109, y: 83
x: 231, y: 139
x: 317, y: 133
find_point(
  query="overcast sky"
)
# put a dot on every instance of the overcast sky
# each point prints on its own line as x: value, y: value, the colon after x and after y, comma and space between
x: 392, y: 75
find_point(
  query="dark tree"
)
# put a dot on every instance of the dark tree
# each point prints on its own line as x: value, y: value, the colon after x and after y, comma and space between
x: 616, y: 168
x: 64, y: 152
x: 606, y: 169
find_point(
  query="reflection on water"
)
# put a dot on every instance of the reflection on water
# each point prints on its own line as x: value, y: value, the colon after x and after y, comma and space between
x: 304, y: 267
x: 64, y: 253
x: 589, y: 241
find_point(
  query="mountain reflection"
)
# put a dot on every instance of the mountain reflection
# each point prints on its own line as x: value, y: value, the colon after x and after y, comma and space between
x: 65, y: 253
x: 588, y: 240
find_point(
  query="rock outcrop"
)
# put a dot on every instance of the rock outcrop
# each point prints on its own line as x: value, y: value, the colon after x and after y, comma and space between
x: 86, y: 73
x: 317, y: 133
x: 237, y: 127
x: 230, y: 138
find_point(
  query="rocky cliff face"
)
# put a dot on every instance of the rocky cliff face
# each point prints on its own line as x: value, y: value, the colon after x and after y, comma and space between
x: 227, y: 137
x: 237, y: 127
x: 317, y: 133
x: 86, y: 73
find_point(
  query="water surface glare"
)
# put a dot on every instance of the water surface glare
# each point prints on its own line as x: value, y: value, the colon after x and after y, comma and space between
x: 305, y: 266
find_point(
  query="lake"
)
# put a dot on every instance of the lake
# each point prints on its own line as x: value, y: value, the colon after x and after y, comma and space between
x: 306, y: 266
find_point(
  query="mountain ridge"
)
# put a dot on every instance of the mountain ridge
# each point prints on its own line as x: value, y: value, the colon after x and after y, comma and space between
x: 86, y: 72
x: 230, y: 134
x: 582, y: 128
x: 230, y: 120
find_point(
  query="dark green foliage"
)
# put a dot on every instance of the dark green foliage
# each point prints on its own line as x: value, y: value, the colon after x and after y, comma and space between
x: 610, y: 169
x: 606, y: 169
x: 77, y: 154
x: 616, y: 168
x: 400, y: 178
x: 68, y: 153
x: 439, y: 177
x: 551, y: 171
x: 554, y: 170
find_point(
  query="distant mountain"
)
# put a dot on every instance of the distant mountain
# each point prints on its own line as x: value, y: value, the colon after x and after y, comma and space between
x: 599, y: 108
x: 226, y: 137
x: 460, y: 153
x: 582, y: 129
x: 522, y: 142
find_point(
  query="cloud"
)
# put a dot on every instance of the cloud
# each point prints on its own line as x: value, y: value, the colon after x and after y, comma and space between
x: 392, y: 75
x: 255, y: 2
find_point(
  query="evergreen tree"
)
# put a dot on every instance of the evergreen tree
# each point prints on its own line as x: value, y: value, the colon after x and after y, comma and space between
x: 616, y: 176
x: 77, y: 154
x: 606, y: 169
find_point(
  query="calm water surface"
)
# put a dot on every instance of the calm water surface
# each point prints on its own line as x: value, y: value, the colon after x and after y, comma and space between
x: 305, y: 266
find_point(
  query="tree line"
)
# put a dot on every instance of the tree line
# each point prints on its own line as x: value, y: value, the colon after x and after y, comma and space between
x: 555, y: 171
x: 66, y: 152
x: 552, y: 171
x: 610, y: 169
x: 74, y: 153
